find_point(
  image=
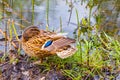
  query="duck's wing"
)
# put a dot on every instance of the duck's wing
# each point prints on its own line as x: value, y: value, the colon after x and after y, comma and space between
x: 63, y: 47
x: 59, y: 44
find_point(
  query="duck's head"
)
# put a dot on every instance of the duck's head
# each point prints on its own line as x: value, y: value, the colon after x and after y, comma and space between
x: 30, y: 32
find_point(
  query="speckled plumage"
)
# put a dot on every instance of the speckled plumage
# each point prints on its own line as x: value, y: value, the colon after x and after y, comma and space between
x: 33, y: 41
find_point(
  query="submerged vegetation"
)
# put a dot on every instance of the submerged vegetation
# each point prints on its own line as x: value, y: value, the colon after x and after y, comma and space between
x: 98, y: 55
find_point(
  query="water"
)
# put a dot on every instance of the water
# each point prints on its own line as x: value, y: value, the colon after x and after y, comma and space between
x: 57, y: 9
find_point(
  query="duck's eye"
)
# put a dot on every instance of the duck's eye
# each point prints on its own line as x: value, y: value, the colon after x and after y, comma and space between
x: 48, y: 43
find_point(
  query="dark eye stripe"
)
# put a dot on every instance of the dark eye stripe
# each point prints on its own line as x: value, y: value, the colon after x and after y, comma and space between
x: 48, y: 43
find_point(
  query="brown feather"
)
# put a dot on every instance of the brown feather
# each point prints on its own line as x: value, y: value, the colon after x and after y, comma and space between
x: 60, y: 43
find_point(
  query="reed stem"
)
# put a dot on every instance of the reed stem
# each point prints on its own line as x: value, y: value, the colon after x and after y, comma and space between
x: 47, y: 14
x: 33, y: 1
x: 60, y: 24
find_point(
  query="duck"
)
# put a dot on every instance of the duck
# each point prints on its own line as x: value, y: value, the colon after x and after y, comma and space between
x: 42, y: 43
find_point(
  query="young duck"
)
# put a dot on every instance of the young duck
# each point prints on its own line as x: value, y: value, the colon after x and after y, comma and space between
x: 41, y: 43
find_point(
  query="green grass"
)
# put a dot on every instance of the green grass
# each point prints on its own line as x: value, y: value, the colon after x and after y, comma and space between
x: 100, y: 58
